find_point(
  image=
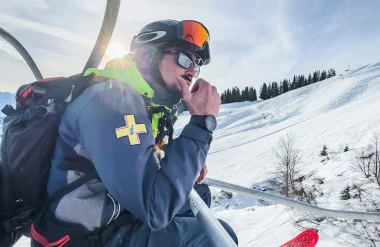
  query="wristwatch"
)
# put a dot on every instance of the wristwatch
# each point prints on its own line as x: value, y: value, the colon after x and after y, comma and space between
x: 206, y: 122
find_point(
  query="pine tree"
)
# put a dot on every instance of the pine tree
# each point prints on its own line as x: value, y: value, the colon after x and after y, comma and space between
x: 300, y: 82
x: 315, y: 77
x: 323, y: 75
x: 309, y: 80
x: 328, y: 74
x: 275, y: 89
x: 304, y: 80
x: 238, y: 95
x: 250, y: 94
x: 254, y: 95
x: 285, y: 86
x: 294, y: 83
x: 264, y: 92
x: 233, y: 95
x: 331, y: 73
x: 228, y: 96
x: 246, y: 91
x: 270, y: 90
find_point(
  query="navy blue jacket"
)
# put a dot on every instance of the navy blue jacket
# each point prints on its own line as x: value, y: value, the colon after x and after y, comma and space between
x: 95, y: 126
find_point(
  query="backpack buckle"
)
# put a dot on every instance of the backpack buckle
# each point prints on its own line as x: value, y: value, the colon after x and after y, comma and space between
x: 8, y: 110
x: 19, y: 221
x: 94, y: 241
x: 44, y: 110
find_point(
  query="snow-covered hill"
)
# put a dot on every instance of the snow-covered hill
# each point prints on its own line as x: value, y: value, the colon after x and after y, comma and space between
x: 335, y: 112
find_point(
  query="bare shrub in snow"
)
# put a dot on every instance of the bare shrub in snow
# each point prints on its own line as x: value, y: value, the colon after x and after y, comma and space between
x: 307, y: 220
x: 357, y: 191
x: 362, y: 160
x: 288, y: 162
x: 374, y: 149
x: 345, y: 194
x: 319, y: 180
x: 324, y: 151
x: 358, y: 196
x: 367, y: 160
x: 305, y: 193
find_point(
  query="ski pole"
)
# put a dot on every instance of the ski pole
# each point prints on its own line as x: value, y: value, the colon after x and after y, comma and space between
x: 217, y: 234
x: 292, y: 203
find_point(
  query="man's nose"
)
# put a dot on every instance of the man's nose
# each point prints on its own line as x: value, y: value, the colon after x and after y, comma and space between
x: 190, y: 71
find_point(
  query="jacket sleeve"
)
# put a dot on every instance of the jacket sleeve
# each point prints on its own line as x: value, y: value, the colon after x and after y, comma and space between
x: 130, y: 172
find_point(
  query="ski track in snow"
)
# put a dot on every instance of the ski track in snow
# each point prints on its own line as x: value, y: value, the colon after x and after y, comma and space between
x: 335, y: 112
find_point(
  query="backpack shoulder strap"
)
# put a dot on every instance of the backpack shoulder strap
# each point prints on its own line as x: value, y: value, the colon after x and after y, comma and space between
x: 72, y: 186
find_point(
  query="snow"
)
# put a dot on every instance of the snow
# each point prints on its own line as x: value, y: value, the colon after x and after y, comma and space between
x: 5, y: 98
x: 335, y: 112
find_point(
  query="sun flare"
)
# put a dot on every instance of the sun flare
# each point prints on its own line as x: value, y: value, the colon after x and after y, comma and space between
x: 116, y: 49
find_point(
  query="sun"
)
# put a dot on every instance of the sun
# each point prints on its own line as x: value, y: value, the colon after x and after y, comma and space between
x: 116, y: 49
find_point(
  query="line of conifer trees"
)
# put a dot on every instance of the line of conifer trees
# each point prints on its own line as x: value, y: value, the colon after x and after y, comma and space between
x: 273, y: 89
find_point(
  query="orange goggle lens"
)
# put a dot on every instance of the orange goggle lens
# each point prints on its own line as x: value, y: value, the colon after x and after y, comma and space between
x: 195, y: 33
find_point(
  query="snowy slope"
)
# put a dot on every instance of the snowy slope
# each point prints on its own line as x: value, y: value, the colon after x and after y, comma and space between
x: 334, y: 112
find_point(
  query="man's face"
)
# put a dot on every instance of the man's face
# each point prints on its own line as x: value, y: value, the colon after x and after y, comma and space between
x: 170, y: 69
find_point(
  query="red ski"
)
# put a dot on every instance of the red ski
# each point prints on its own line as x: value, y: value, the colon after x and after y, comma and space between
x: 307, y: 238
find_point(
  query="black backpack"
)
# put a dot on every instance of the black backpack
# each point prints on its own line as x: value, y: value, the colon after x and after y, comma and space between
x: 30, y: 133
x: 29, y: 138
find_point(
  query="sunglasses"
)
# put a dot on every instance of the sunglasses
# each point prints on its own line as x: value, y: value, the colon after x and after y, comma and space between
x: 185, y: 61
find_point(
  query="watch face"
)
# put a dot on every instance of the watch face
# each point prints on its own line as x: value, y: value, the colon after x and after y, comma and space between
x: 210, y: 123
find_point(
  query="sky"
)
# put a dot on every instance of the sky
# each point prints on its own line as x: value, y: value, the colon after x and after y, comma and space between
x: 252, y: 41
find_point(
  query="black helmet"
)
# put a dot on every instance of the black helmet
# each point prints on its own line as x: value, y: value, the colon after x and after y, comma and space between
x: 189, y: 34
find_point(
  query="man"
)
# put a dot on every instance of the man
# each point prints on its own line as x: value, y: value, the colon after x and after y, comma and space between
x: 115, y: 127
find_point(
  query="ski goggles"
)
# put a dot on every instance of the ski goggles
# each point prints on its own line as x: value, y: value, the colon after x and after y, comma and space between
x: 196, y: 33
x: 185, y: 61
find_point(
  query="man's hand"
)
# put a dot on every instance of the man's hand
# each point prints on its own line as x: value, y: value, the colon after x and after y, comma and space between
x: 203, y: 174
x: 203, y: 98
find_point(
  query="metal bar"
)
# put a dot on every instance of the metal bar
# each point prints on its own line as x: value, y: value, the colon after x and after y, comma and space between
x: 292, y: 203
x: 105, y: 34
x: 218, y: 235
x: 17, y: 45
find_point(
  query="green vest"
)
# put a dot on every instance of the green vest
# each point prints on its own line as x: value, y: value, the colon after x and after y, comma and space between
x: 124, y: 70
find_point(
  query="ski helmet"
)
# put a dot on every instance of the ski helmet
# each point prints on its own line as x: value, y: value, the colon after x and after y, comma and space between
x: 189, y: 34
x: 149, y: 45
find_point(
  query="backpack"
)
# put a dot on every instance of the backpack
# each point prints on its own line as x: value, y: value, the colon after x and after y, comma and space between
x: 30, y: 133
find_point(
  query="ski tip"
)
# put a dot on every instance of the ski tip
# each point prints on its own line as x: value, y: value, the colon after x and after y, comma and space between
x: 307, y: 238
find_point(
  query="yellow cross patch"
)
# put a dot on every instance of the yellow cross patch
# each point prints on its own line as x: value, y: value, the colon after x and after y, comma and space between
x: 131, y: 129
